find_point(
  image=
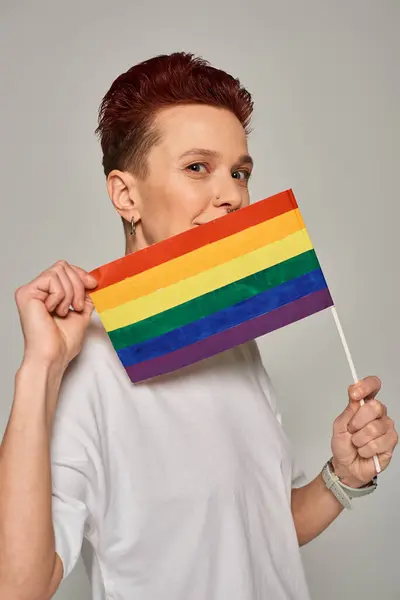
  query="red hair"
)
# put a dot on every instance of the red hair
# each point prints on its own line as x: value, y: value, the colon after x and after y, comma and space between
x: 128, y: 109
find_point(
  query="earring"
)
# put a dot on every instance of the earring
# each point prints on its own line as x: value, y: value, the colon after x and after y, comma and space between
x: 133, y: 227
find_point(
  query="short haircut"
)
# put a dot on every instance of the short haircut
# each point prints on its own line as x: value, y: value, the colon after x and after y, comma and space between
x: 128, y: 110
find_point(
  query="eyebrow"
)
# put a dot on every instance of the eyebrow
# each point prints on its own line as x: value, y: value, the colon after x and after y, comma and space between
x: 244, y: 159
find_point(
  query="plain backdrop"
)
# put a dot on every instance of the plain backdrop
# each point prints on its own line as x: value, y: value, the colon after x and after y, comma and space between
x: 325, y: 80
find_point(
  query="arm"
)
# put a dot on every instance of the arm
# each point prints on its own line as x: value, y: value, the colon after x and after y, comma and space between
x: 29, y: 567
x: 359, y: 433
x: 314, y: 508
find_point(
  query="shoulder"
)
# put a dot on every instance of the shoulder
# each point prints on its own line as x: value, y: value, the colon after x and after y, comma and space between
x: 87, y: 375
x: 252, y: 351
x: 97, y: 344
x: 251, y: 356
x: 97, y: 352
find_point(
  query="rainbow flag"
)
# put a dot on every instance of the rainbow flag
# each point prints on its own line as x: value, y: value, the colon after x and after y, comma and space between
x: 210, y: 288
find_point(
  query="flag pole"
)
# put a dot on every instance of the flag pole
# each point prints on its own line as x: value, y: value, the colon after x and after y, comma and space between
x: 352, y: 367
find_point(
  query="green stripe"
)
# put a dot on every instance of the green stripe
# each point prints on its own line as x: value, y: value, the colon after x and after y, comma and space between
x: 212, y: 302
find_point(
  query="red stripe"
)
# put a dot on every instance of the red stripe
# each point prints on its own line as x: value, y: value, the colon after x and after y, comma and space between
x: 190, y: 240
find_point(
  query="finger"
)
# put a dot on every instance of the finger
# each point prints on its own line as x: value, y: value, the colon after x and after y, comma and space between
x: 78, y: 300
x: 370, y: 432
x: 88, y: 280
x: 50, y: 284
x: 63, y: 308
x: 384, y: 445
x: 88, y: 307
x: 371, y: 411
x: 365, y: 389
x: 25, y: 293
x: 340, y: 425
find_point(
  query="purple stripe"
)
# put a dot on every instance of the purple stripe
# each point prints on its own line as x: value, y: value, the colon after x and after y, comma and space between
x: 294, y: 311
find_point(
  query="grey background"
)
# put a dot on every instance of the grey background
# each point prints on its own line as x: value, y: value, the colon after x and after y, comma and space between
x: 325, y: 79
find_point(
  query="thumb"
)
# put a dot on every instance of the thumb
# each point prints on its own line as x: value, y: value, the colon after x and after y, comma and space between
x: 343, y: 420
x: 88, y: 308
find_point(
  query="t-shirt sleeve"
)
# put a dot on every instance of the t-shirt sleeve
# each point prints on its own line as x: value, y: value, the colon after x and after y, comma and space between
x: 299, y: 478
x: 69, y: 497
x: 75, y: 464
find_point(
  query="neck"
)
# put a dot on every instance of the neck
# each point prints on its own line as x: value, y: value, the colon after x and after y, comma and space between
x: 136, y: 242
x: 130, y: 245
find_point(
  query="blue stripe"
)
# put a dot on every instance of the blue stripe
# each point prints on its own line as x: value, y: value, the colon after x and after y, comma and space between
x: 224, y: 319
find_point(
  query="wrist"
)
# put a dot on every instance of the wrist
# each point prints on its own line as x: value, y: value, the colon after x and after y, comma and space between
x: 345, y: 489
x: 41, y: 367
x: 344, y: 477
x: 35, y: 374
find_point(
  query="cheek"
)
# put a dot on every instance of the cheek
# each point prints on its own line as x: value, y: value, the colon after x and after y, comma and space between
x: 183, y: 198
x: 245, y: 197
x: 190, y: 200
x: 170, y: 208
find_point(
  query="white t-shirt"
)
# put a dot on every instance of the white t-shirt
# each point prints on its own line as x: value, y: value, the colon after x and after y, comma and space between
x: 179, y: 487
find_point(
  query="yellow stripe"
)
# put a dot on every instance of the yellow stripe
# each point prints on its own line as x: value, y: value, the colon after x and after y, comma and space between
x: 207, y: 281
x: 199, y: 260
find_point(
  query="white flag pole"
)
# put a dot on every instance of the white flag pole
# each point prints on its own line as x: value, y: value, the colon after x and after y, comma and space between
x: 352, y: 367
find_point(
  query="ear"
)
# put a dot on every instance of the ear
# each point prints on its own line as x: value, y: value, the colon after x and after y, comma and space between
x: 123, y: 192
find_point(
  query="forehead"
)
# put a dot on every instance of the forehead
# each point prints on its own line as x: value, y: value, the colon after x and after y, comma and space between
x: 198, y: 126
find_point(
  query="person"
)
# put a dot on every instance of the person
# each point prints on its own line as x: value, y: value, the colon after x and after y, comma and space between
x: 184, y: 486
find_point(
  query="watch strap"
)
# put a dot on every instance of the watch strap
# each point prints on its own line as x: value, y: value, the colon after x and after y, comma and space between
x: 343, y: 493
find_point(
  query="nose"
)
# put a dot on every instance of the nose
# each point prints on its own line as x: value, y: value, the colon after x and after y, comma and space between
x: 230, y: 194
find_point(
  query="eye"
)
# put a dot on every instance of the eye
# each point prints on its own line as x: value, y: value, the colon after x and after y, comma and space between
x: 241, y: 174
x: 197, y: 168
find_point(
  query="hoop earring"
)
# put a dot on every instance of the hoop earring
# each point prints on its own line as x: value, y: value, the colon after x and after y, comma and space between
x: 133, y: 227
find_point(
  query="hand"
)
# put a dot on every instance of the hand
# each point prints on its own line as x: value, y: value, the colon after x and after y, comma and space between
x: 361, y: 432
x: 52, y: 332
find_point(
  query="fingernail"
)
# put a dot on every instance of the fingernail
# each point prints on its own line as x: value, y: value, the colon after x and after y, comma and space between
x: 356, y: 394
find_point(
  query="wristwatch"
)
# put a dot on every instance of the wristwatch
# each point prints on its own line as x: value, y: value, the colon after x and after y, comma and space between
x: 343, y: 492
